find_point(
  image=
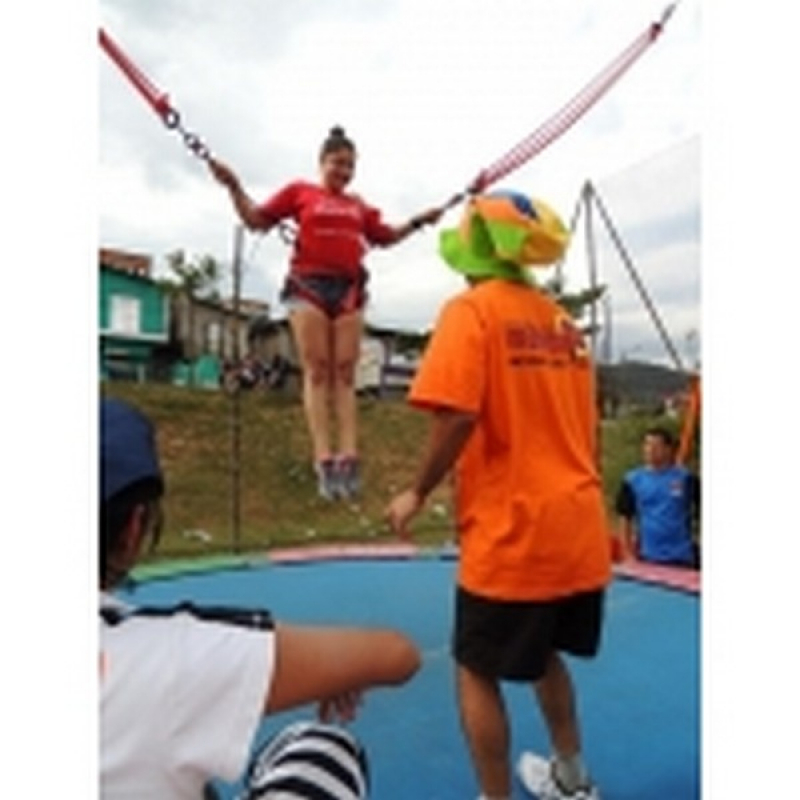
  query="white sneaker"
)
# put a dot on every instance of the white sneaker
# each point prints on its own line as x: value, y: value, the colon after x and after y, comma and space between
x: 536, y: 774
x: 327, y: 481
x: 348, y: 475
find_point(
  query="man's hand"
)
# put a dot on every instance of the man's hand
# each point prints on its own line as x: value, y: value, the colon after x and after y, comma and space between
x: 450, y: 430
x: 401, y: 510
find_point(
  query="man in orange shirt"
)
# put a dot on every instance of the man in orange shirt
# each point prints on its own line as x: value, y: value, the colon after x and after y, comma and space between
x: 509, y: 383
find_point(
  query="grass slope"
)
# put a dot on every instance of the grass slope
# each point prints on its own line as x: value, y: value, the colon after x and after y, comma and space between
x: 278, y: 501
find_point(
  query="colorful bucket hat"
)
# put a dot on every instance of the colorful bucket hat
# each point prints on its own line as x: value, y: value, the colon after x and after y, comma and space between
x: 501, y: 233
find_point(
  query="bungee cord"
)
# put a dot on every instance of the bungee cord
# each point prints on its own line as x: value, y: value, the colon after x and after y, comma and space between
x: 560, y: 122
x: 533, y: 144
x: 157, y: 100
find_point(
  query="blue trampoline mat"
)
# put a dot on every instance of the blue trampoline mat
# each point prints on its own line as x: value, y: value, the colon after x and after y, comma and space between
x: 638, y: 700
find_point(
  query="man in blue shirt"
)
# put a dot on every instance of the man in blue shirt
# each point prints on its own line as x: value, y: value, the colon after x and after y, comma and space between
x: 657, y: 503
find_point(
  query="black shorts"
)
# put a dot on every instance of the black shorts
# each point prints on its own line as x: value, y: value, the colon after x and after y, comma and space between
x: 512, y: 640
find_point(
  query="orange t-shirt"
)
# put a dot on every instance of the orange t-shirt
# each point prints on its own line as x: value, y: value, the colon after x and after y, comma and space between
x: 529, y: 504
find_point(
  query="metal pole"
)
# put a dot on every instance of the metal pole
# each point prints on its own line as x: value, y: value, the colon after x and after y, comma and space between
x: 572, y: 228
x: 235, y: 407
x: 628, y: 262
x: 591, y: 257
x: 608, y: 348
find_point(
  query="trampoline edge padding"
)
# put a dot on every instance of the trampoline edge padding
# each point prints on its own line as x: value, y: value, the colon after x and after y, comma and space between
x: 679, y: 578
x: 176, y: 568
x: 345, y: 552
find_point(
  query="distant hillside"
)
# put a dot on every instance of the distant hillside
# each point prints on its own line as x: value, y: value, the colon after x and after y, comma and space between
x: 641, y: 383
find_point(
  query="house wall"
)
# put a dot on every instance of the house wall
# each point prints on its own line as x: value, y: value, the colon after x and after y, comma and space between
x: 204, y: 328
x: 153, y: 332
x: 133, y: 320
x: 153, y: 311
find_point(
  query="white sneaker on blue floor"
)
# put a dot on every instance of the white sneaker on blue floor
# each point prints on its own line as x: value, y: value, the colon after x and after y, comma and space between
x: 536, y: 774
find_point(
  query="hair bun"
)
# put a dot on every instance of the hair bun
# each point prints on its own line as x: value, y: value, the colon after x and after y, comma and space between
x: 336, y: 140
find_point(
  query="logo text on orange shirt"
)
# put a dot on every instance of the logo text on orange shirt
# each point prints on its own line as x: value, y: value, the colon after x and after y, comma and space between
x: 563, y: 340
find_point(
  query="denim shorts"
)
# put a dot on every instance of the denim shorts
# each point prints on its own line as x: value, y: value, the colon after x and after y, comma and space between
x: 335, y: 295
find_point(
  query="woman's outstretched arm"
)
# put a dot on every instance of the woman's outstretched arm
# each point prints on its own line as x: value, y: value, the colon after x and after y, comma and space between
x: 245, y: 207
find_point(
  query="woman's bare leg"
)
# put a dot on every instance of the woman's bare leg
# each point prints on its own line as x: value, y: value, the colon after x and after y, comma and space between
x: 347, y: 332
x: 313, y: 334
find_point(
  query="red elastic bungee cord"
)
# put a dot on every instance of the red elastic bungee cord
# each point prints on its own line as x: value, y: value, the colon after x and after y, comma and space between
x: 157, y: 100
x: 567, y: 116
x: 523, y: 151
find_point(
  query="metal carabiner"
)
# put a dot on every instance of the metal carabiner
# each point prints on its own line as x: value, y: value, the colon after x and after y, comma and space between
x: 171, y: 118
x: 287, y: 232
x: 193, y: 142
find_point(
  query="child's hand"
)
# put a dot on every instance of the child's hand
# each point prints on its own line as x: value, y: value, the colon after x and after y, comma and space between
x: 342, y: 708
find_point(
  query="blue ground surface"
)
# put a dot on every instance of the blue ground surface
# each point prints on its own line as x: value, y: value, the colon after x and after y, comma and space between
x: 639, y: 699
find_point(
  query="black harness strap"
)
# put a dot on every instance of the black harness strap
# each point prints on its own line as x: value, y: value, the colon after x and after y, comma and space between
x: 254, y: 618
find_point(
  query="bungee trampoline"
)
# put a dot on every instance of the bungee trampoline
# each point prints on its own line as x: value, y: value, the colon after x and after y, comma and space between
x: 638, y: 700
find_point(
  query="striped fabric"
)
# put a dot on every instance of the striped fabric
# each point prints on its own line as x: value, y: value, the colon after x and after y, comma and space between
x: 309, y: 761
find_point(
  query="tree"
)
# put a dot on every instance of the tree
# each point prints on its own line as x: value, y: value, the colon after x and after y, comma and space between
x: 197, y: 279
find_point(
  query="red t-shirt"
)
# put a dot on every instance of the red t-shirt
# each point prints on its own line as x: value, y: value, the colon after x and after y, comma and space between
x: 531, y: 519
x: 334, y: 229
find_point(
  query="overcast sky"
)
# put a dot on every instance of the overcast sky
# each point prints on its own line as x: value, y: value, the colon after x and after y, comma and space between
x: 429, y: 97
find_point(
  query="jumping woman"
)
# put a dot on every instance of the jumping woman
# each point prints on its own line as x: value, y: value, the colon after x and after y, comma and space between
x: 325, y: 294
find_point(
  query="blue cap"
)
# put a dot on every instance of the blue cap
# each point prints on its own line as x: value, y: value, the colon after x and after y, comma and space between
x: 127, y: 448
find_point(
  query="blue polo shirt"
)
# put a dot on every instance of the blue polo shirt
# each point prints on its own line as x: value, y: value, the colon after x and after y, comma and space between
x: 661, y: 501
